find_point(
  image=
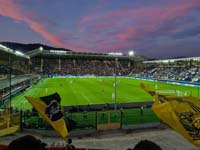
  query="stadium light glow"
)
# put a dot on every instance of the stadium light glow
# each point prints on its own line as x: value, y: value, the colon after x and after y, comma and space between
x: 58, y: 51
x: 2, y: 46
x: 115, y: 54
x: 6, y: 48
x: 41, y: 48
x: 11, y: 51
x: 131, y: 53
x: 19, y: 53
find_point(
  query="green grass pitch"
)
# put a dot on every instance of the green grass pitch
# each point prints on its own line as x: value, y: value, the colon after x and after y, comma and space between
x: 83, y: 91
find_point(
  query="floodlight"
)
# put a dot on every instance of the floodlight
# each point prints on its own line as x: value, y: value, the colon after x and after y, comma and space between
x: 19, y: 53
x: 2, y: 46
x: 115, y: 54
x: 41, y: 48
x: 131, y: 53
x: 58, y: 51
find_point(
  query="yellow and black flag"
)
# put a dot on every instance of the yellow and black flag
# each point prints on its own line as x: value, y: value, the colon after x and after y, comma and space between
x: 50, y: 109
x: 181, y: 113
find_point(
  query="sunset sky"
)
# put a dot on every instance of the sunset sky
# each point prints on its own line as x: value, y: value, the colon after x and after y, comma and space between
x: 154, y: 28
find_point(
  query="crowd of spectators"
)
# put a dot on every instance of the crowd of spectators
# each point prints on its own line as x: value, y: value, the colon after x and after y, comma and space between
x: 14, y: 89
x: 80, y: 67
x: 189, y: 74
x: 5, y: 70
x: 15, y: 85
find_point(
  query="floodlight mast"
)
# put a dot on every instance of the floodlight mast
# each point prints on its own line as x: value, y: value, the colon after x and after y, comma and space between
x: 115, y: 83
x: 41, y: 61
x: 10, y: 84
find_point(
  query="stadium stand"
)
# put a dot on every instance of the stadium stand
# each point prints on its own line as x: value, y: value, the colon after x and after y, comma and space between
x: 189, y: 74
x: 80, y: 67
x: 182, y: 69
x: 5, y: 69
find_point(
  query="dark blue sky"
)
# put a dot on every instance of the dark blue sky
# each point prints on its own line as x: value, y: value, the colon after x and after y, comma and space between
x: 154, y: 28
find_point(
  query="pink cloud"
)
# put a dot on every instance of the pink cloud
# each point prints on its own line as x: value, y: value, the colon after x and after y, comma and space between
x: 134, y: 23
x: 104, y: 25
x: 131, y: 32
x: 11, y: 9
x: 156, y: 12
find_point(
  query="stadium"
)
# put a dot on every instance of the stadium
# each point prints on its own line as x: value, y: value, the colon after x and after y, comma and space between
x: 99, y: 75
x: 100, y: 92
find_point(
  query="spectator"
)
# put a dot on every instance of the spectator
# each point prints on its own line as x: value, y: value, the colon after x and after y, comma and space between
x: 27, y: 142
x: 146, y: 145
x: 69, y: 145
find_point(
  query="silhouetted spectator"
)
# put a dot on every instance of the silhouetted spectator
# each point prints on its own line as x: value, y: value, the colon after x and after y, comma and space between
x: 27, y: 142
x: 69, y: 145
x: 146, y: 145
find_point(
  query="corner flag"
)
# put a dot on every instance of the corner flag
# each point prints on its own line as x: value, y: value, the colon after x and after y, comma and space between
x: 50, y: 109
x: 180, y: 113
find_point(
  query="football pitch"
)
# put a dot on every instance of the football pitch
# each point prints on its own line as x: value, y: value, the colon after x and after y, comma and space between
x: 84, y: 91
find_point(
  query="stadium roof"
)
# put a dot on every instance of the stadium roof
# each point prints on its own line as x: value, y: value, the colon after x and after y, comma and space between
x: 173, y: 60
x: 70, y: 54
x: 5, y: 51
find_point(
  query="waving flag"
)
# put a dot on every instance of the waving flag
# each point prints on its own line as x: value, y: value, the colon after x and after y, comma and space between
x: 180, y: 113
x: 50, y: 109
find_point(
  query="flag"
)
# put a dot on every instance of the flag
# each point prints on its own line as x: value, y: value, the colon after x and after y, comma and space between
x: 180, y: 113
x: 49, y: 108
